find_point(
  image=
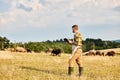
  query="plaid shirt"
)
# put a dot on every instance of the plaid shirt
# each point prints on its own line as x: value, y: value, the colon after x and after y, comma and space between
x: 77, y: 39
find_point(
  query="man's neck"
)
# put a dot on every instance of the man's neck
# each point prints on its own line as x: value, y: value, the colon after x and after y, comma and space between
x: 76, y: 32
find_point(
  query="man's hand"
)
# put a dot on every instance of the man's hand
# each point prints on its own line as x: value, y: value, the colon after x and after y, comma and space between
x: 67, y: 40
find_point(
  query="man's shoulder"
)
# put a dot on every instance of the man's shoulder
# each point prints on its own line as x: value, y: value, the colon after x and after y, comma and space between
x: 78, y: 34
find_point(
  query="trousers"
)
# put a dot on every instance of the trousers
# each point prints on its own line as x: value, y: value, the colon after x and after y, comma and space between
x: 77, y: 56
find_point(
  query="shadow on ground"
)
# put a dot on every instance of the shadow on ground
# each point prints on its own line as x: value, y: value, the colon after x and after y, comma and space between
x: 41, y: 70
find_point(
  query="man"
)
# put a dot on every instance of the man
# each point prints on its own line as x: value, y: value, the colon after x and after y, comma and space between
x: 76, y: 51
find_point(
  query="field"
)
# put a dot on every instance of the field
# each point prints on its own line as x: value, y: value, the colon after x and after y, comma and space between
x: 24, y: 66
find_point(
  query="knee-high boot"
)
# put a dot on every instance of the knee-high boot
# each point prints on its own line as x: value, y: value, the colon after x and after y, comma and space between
x: 80, y: 71
x: 70, y: 70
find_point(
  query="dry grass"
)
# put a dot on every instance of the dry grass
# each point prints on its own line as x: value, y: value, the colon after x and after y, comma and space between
x: 45, y: 67
x: 6, y: 55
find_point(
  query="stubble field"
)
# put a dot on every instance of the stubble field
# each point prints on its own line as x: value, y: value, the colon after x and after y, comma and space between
x: 26, y: 66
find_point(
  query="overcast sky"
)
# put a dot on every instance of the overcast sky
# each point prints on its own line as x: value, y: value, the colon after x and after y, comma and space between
x: 41, y: 20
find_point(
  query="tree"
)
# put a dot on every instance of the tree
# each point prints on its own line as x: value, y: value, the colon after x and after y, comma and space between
x: 4, y: 42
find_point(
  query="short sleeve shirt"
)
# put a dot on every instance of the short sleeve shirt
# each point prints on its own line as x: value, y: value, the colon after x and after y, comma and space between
x: 78, y: 39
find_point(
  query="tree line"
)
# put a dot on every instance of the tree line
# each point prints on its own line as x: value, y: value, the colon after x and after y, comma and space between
x: 88, y: 44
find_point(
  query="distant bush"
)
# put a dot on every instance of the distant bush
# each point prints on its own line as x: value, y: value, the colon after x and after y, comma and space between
x: 4, y: 43
x: 88, y: 44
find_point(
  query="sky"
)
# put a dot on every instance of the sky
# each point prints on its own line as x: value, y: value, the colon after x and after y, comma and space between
x: 41, y: 20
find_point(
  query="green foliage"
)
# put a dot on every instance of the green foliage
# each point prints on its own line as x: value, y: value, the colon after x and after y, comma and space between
x: 99, y: 44
x: 88, y: 44
x: 44, y: 46
x: 4, y: 42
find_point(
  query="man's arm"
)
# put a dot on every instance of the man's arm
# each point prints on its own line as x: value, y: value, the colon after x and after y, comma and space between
x: 69, y: 41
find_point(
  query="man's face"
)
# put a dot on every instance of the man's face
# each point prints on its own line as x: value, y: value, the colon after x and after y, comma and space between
x: 73, y: 30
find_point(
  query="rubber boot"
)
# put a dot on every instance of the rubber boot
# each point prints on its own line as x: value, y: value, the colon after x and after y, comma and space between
x: 70, y: 70
x: 80, y: 71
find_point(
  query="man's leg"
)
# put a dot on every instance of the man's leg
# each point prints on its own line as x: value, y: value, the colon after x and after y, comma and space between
x: 70, y: 70
x: 71, y: 61
x: 79, y: 61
